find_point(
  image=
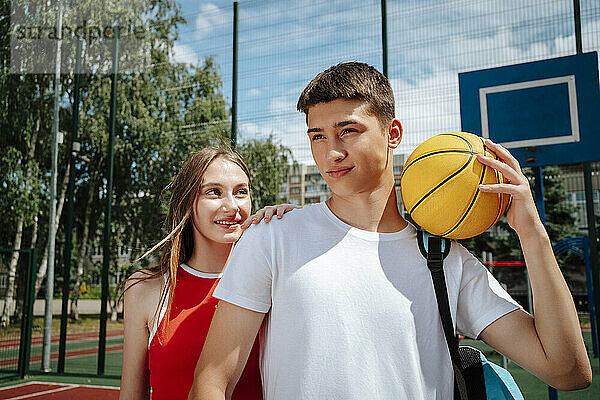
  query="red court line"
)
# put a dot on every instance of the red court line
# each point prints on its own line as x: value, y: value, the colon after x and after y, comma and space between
x: 11, y: 362
x: 58, y: 391
x: 79, y: 393
x: 37, y: 340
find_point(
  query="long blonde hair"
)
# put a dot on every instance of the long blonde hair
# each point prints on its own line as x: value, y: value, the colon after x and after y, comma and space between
x: 178, y: 245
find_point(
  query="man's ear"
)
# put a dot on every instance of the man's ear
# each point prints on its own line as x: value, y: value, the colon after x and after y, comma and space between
x: 395, y: 134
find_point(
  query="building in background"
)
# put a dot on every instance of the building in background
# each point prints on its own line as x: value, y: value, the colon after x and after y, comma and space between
x: 573, y: 183
x: 305, y: 185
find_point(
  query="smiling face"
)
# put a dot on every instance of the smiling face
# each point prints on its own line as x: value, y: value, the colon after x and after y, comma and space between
x: 350, y: 147
x: 223, y: 202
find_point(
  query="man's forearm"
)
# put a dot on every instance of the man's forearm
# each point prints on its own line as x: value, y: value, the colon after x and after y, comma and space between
x: 555, y: 316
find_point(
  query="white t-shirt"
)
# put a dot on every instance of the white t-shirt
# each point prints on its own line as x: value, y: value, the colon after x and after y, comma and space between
x: 352, y: 314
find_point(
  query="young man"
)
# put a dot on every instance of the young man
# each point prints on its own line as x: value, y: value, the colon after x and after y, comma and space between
x: 347, y: 300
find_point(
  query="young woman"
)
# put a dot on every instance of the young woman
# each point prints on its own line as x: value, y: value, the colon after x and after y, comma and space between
x: 168, y: 308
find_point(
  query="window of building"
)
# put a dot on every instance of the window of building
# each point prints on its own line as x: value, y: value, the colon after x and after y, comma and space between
x: 124, y: 251
x: 97, y: 250
x: 578, y: 200
x: 314, y: 177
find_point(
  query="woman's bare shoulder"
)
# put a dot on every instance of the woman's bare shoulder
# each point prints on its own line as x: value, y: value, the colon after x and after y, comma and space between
x: 141, y: 294
x: 143, y: 284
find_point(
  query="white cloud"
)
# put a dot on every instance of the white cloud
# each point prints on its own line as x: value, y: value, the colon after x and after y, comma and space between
x: 282, y: 104
x: 426, y: 107
x: 248, y: 130
x: 288, y: 131
x: 182, y: 53
x: 212, y: 18
x: 254, y: 92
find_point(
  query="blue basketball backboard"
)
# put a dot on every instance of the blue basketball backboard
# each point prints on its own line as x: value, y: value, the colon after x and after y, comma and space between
x: 546, y: 112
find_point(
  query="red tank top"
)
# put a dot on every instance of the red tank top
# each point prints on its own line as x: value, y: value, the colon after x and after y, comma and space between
x: 173, y: 352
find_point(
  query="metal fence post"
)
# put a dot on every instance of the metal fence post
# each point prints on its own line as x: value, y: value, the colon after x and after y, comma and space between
x: 24, y: 318
x: 107, y: 212
x: 27, y: 321
x: 62, y: 345
x: 234, y: 78
x: 384, y: 45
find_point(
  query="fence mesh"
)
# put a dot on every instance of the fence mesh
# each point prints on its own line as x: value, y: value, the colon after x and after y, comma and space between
x: 281, y: 46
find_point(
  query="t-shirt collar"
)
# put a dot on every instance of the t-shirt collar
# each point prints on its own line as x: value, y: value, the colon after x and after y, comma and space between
x: 404, y: 233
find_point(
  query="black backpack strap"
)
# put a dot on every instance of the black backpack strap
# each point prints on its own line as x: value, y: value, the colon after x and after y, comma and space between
x: 435, y: 262
x: 435, y: 249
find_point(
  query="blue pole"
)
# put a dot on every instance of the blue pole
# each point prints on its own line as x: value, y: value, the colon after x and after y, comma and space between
x: 590, y: 293
x: 539, y: 194
x: 539, y: 202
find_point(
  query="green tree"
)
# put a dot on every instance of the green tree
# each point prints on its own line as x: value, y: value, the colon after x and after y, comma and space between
x: 164, y: 113
x: 503, y: 243
x: 24, y: 106
x: 268, y: 163
x: 560, y: 217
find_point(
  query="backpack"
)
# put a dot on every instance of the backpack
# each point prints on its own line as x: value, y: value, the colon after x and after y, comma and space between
x: 475, y: 378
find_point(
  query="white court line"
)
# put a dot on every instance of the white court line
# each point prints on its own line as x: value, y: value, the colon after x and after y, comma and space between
x: 79, y: 385
x: 70, y: 386
x: 30, y: 395
x: 18, y: 385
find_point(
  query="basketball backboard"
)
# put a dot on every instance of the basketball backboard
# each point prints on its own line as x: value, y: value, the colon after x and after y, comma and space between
x: 546, y: 112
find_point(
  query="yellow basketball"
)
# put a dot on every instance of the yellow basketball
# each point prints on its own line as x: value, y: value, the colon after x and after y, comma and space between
x: 439, y: 186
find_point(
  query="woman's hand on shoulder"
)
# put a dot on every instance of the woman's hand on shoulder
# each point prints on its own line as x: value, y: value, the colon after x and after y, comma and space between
x: 267, y: 213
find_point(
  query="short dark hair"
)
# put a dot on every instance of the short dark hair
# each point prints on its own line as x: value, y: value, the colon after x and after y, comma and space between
x: 351, y: 81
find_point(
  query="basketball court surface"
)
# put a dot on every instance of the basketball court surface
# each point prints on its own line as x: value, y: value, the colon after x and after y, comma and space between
x: 58, y: 391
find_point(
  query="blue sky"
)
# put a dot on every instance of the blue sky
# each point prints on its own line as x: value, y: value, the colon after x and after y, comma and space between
x: 283, y: 44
